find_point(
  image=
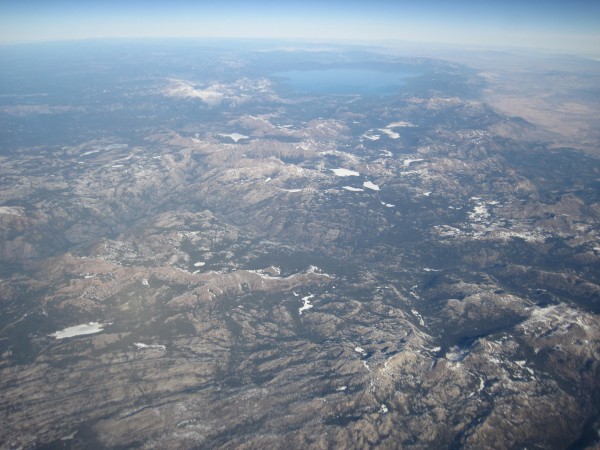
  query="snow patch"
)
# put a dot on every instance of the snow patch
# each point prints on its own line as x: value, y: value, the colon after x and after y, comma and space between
x: 317, y: 271
x: 401, y: 124
x: 456, y: 354
x: 353, y: 189
x: 235, y: 137
x: 306, y: 303
x: 69, y: 437
x: 11, y: 210
x: 370, y: 185
x: 345, y: 173
x: 79, y: 330
x: 182, y: 89
x: 408, y: 162
x: 141, y: 346
x: 390, y: 133
x: 480, y: 212
x: 418, y: 316
x: 372, y: 137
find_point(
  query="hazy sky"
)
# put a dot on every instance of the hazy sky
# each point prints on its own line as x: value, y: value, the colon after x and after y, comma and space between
x: 565, y: 25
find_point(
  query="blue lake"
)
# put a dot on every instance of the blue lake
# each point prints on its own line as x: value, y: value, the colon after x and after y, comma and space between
x: 344, y: 81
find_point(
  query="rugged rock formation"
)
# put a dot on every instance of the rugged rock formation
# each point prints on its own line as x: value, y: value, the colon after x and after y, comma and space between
x: 439, y: 292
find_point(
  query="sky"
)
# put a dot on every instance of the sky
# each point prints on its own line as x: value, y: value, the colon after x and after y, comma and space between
x: 571, y: 26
